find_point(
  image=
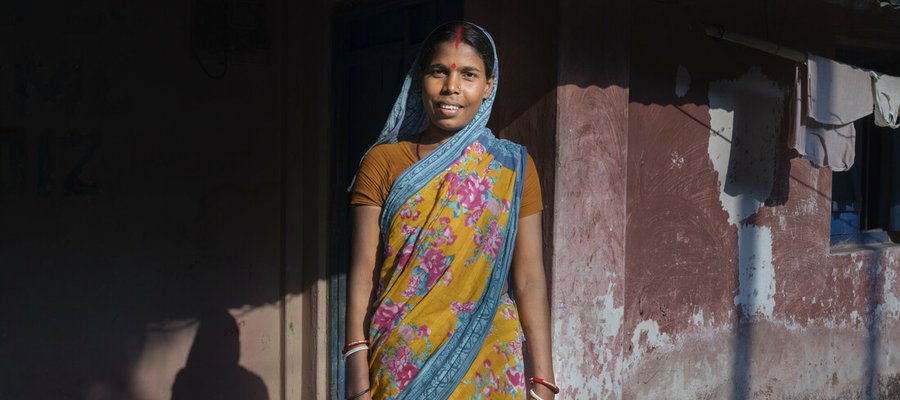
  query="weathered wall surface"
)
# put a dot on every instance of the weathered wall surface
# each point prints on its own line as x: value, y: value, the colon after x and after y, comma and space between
x: 589, y: 231
x: 731, y: 288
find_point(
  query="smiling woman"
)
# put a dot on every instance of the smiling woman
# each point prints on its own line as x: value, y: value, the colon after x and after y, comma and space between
x: 446, y: 216
x: 454, y: 84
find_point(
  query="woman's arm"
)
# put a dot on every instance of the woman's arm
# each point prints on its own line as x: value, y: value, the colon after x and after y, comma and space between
x: 530, y: 286
x: 364, y: 259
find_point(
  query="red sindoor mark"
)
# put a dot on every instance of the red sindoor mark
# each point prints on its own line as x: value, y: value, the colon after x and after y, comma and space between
x: 456, y: 44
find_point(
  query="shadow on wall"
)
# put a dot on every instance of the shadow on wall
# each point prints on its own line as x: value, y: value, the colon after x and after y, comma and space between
x: 212, y: 370
x: 707, y: 150
x: 698, y: 117
x: 186, y: 215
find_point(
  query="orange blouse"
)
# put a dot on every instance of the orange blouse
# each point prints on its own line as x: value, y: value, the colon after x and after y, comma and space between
x: 385, y: 162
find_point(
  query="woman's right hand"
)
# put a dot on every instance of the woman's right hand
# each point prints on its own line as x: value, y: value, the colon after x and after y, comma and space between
x: 360, y: 294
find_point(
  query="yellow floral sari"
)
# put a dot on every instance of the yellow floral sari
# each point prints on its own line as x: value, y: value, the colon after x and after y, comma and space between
x: 443, y: 326
x: 440, y: 252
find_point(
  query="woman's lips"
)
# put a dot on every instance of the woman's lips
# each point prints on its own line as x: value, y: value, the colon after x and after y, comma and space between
x: 448, y: 110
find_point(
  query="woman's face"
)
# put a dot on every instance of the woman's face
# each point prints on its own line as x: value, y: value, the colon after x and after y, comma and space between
x: 454, y: 85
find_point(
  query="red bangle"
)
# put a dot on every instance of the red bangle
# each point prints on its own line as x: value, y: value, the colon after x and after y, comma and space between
x: 553, y: 388
x: 351, y: 345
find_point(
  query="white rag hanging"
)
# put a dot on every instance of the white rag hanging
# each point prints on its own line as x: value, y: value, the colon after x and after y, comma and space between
x: 827, y: 99
x: 886, y: 90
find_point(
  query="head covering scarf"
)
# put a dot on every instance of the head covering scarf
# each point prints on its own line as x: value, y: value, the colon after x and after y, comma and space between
x: 440, y: 371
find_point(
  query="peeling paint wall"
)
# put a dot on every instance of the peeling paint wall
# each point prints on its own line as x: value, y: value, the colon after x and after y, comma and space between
x: 731, y: 287
x: 589, y: 216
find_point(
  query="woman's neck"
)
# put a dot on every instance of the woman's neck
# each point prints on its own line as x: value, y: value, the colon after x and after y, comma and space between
x: 433, y: 136
x: 428, y: 140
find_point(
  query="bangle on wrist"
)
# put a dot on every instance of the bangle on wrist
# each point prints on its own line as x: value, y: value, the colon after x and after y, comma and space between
x: 356, y: 349
x: 533, y: 395
x: 358, y: 395
x: 549, y: 385
x: 351, y: 345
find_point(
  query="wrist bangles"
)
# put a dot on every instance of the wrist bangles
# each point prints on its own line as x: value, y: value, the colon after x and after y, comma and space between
x: 538, y: 381
x: 358, y: 395
x: 355, y: 347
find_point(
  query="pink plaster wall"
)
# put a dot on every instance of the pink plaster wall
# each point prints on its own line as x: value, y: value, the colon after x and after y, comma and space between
x: 826, y: 324
x: 589, y: 230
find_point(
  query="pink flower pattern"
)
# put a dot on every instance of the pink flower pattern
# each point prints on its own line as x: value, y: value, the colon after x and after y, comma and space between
x: 516, y: 377
x: 508, y: 313
x: 413, y: 286
x: 434, y: 263
x: 492, y: 240
x: 458, y: 307
x: 452, y: 182
x: 471, y: 192
x: 405, y: 253
x: 405, y: 375
x: 424, y: 331
x: 387, y: 315
x: 445, y: 235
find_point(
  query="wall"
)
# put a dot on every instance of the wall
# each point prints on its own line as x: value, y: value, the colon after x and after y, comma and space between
x: 731, y: 289
x: 589, y: 231
x: 151, y: 227
x: 526, y: 34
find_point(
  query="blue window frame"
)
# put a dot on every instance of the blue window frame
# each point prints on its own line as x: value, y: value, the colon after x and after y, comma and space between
x: 865, y: 206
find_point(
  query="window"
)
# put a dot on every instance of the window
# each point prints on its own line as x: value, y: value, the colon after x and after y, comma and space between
x: 865, y: 206
x: 866, y: 199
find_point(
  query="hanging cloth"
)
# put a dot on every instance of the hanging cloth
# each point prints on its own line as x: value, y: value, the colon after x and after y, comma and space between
x: 886, y: 90
x: 828, y: 97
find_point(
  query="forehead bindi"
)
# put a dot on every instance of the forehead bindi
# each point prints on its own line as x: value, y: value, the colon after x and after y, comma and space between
x: 462, y: 57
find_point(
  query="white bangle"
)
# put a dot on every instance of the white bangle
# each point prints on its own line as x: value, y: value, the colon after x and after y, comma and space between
x: 354, y: 350
x: 534, y: 395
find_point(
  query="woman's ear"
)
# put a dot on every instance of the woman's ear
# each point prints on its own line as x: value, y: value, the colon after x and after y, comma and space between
x: 488, y: 88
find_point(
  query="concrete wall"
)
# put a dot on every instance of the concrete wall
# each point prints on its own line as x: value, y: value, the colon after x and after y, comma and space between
x: 732, y: 290
x: 589, y: 230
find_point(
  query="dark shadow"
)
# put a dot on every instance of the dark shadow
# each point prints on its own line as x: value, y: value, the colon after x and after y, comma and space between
x: 373, y: 48
x: 873, y: 326
x: 177, y: 210
x: 742, y: 353
x: 212, y: 370
x: 743, y: 356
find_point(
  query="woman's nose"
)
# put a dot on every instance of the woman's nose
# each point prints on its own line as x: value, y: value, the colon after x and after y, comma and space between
x: 451, y: 84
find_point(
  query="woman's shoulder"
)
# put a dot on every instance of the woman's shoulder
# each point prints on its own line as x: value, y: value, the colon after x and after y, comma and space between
x: 389, y: 153
x: 389, y: 158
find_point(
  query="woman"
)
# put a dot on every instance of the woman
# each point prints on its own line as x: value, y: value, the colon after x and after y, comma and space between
x: 445, y: 215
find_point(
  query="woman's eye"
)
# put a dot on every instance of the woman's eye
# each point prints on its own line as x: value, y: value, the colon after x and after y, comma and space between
x: 469, y: 75
x: 437, y: 72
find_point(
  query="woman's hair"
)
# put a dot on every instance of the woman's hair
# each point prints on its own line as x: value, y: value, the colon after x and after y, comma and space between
x: 468, y: 34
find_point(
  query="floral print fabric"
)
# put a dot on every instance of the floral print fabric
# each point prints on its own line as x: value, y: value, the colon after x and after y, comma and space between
x: 440, y: 252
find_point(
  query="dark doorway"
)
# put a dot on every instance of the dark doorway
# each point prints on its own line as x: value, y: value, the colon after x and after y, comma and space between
x: 374, y: 46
